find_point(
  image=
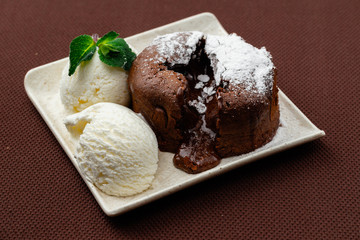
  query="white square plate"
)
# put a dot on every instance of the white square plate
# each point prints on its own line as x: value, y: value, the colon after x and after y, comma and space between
x: 42, y: 87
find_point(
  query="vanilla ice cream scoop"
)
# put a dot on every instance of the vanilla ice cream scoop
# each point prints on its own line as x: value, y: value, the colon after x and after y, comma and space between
x: 93, y: 82
x: 117, y: 150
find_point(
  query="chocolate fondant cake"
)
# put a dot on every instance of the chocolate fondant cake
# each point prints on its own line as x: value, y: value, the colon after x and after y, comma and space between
x: 206, y: 97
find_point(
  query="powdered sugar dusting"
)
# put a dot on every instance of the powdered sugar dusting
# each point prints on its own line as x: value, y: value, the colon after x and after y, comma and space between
x: 199, y: 104
x: 203, y: 78
x: 239, y: 63
x: 206, y: 94
x: 199, y: 85
x: 234, y: 62
x: 177, y: 48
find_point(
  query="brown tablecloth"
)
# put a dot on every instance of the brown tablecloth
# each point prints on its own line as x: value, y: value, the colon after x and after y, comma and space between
x: 309, y: 192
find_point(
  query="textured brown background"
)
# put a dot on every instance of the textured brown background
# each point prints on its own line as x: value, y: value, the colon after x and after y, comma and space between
x: 309, y: 192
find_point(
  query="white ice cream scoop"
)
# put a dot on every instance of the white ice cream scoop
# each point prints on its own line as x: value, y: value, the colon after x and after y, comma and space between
x: 117, y: 150
x: 93, y: 82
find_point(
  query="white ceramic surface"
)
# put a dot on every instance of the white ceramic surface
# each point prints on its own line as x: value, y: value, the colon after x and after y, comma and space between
x: 42, y: 87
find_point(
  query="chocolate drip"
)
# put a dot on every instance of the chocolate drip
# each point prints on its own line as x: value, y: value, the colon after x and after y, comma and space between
x: 197, y: 151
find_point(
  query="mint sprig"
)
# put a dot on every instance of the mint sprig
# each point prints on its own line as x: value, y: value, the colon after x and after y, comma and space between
x: 112, y: 51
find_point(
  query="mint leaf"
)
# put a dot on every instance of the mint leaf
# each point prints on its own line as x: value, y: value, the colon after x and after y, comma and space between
x: 117, y: 45
x: 104, y: 49
x: 130, y: 56
x: 82, y: 48
x: 114, y: 59
x: 115, y: 51
x: 107, y: 38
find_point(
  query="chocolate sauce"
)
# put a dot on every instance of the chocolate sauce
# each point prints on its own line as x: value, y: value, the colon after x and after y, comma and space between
x: 197, y: 151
